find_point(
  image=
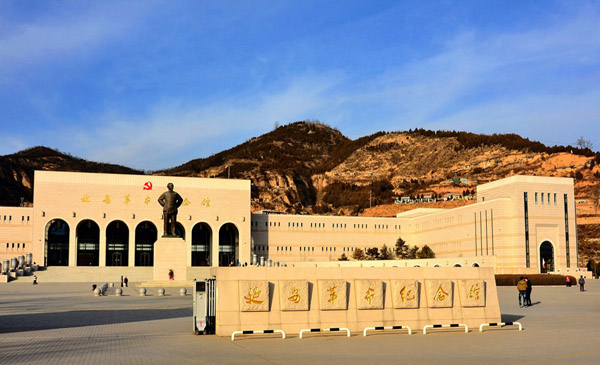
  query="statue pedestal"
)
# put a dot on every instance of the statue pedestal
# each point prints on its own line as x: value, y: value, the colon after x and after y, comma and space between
x: 170, y: 253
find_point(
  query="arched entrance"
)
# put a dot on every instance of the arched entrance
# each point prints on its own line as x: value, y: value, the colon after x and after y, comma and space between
x: 228, y: 245
x: 57, y: 243
x: 546, y: 257
x: 88, y: 243
x: 201, y: 243
x: 117, y: 244
x: 145, y: 236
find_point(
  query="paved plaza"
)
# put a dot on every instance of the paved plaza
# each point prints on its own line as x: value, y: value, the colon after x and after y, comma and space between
x: 65, y: 323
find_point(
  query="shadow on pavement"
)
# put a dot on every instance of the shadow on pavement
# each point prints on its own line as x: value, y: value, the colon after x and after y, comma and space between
x: 45, y: 321
x: 511, y: 317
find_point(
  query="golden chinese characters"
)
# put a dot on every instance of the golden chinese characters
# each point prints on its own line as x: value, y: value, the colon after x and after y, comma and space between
x: 85, y: 198
x: 440, y: 294
x: 106, y: 199
x: 296, y: 298
x: 474, y: 291
x: 370, y: 295
x: 406, y: 294
x: 186, y: 202
x: 147, y: 200
x: 332, y: 294
x: 205, y: 202
x: 127, y: 199
x: 253, y: 295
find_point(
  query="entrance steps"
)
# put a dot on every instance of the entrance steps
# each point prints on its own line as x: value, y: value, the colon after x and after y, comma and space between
x: 166, y: 284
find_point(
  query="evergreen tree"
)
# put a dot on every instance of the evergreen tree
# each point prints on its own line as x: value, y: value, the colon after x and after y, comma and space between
x: 358, y: 254
x: 385, y: 253
x: 426, y: 253
x: 372, y: 253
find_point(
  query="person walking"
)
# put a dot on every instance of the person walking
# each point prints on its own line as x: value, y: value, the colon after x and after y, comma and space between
x: 568, y: 281
x: 125, y: 281
x: 522, y: 288
x: 581, y: 282
x: 35, y: 280
x: 528, y: 291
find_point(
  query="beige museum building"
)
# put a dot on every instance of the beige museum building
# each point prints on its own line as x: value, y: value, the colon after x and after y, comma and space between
x: 86, y: 226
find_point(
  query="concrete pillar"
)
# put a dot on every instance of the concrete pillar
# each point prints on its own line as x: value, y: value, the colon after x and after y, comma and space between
x: 102, y: 256
x: 188, y: 246
x: 214, y: 250
x: 72, y: 244
x: 132, y: 246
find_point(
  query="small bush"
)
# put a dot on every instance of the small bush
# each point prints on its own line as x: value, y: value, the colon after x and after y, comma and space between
x: 536, y: 279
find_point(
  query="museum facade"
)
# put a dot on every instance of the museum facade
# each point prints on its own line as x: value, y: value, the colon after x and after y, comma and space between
x: 520, y: 224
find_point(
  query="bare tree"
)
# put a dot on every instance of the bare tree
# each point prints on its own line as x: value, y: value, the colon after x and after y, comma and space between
x: 584, y: 143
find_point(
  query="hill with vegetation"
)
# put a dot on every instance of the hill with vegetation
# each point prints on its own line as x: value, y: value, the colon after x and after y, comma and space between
x: 16, y: 171
x: 309, y: 167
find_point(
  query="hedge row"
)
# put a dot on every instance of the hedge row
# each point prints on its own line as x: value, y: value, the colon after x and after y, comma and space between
x: 536, y: 279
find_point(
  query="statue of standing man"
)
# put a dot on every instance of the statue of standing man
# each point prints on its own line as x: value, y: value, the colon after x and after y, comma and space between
x: 170, y: 201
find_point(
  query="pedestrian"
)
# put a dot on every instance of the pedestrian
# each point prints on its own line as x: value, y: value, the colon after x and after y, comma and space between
x: 34, y: 279
x: 581, y: 283
x: 522, y: 288
x: 126, y: 281
x: 171, y: 275
x: 528, y: 291
x: 568, y: 281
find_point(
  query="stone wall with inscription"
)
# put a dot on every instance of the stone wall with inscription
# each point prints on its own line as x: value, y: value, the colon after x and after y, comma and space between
x: 295, y: 298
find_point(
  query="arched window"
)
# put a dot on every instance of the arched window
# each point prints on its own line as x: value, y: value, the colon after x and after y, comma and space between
x: 117, y: 244
x: 228, y: 245
x: 201, y: 244
x: 57, y: 243
x: 88, y: 243
x: 145, y: 236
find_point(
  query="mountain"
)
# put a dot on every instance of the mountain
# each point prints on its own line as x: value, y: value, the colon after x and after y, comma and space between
x: 310, y: 167
x: 16, y: 171
x: 281, y: 164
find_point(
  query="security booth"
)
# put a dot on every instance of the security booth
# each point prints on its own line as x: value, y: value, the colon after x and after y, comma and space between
x: 204, y: 309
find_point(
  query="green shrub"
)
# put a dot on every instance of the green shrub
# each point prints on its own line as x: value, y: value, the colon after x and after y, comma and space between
x: 536, y: 279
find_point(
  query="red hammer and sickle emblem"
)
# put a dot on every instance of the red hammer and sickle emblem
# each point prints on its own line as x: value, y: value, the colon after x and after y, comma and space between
x: 148, y: 185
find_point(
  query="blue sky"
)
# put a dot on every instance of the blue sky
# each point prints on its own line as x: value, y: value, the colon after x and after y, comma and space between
x: 110, y: 81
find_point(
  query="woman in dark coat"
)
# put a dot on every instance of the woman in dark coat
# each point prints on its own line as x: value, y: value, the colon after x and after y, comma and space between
x: 528, y: 295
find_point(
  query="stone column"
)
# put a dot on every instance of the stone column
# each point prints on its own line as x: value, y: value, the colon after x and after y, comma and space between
x: 102, y: 256
x: 72, y: 245
x: 214, y: 249
x: 132, y: 246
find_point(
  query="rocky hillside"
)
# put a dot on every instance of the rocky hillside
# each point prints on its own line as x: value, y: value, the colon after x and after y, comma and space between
x: 281, y: 164
x: 16, y: 171
x: 310, y: 167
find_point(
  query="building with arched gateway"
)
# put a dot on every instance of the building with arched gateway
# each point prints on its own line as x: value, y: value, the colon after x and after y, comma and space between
x: 90, y: 227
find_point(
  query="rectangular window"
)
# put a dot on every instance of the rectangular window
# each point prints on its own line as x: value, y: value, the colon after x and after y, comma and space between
x: 542, y: 198
x: 536, y: 194
x: 567, y: 231
x: 554, y: 198
x: 526, y: 212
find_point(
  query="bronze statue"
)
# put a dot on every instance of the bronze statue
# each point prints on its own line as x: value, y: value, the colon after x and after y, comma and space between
x: 170, y: 201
